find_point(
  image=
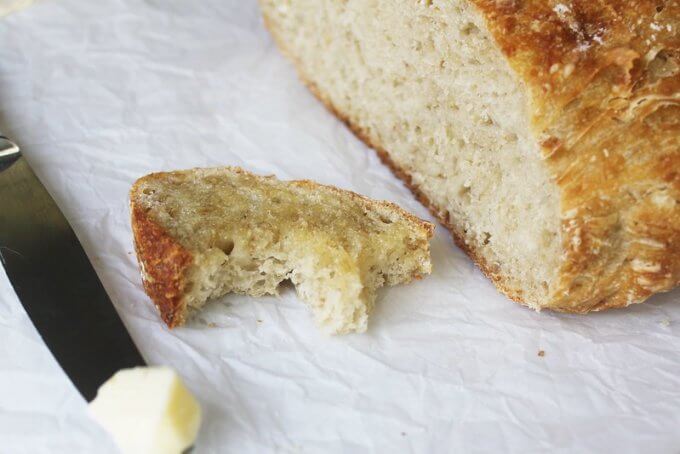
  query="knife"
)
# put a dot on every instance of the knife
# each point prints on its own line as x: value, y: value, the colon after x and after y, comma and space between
x: 55, y: 281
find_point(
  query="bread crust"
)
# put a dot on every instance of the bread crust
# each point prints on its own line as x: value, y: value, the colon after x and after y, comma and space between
x: 604, y: 85
x: 163, y: 262
x: 606, y: 112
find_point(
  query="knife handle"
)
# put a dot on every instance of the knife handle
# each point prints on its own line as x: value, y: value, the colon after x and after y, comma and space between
x: 9, y: 153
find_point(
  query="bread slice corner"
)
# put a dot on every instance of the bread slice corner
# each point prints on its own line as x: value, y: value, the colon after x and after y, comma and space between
x: 202, y: 233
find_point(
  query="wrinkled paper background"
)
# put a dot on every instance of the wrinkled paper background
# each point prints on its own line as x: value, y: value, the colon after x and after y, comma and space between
x: 102, y: 92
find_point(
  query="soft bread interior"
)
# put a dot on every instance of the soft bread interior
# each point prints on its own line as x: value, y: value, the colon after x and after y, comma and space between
x: 247, y: 234
x: 424, y: 81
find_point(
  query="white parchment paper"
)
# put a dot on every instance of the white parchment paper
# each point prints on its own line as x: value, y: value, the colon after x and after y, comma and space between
x: 102, y: 92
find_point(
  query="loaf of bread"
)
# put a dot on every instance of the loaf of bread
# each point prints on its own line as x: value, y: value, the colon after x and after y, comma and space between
x: 545, y: 134
x: 202, y: 233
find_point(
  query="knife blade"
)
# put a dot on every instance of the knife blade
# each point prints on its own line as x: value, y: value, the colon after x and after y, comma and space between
x: 55, y: 280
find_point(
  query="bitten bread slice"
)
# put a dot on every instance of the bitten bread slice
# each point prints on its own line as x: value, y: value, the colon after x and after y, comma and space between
x: 202, y: 233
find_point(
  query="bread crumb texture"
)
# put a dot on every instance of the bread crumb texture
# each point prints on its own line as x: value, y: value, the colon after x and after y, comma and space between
x: 202, y: 233
x: 544, y: 134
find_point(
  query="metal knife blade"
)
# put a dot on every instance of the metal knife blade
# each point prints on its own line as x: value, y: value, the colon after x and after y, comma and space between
x: 55, y: 281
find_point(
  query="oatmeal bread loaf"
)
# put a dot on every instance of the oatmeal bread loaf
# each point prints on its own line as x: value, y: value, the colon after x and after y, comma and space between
x: 544, y: 134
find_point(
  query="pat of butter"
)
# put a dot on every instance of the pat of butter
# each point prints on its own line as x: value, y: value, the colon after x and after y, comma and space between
x: 147, y: 410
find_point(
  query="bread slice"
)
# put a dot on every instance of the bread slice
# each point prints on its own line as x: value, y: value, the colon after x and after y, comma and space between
x: 202, y: 233
x: 544, y: 134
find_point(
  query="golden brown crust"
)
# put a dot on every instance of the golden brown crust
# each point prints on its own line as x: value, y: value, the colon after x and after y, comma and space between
x: 604, y: 84
x: 163, y: 264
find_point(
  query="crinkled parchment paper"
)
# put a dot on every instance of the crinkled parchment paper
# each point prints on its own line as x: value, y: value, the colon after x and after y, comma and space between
x: 10, y: 6
x: 102, y: 92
